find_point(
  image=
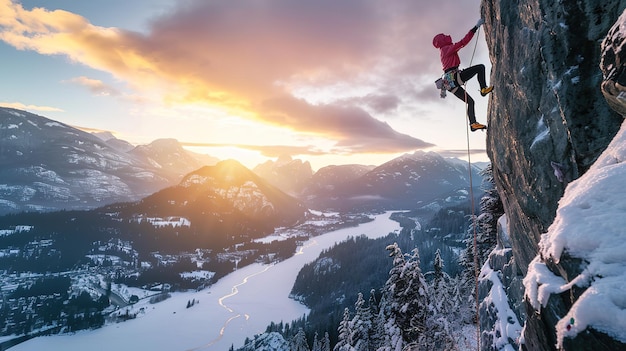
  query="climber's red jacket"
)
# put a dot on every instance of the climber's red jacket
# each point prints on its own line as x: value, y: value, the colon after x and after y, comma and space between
x: 448, y: 51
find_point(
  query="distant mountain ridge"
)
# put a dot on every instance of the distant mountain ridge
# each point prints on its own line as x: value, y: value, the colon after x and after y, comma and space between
x: 330, y: 178
x: 169, y: 156
x: 286, y: 173
x: 46, y: 165
x: 408, y: 181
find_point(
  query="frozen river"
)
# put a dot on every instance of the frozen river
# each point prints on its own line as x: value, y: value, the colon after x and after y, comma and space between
x: 241, y: 304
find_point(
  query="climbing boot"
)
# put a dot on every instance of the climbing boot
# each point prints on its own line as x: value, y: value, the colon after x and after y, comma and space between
x: 476, y: 126
x: 485, y: 91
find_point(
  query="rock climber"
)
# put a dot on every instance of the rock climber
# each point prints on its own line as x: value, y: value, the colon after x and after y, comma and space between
x: 454, y: 78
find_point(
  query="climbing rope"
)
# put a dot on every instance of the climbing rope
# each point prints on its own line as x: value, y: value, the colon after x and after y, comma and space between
x: 469, y: 163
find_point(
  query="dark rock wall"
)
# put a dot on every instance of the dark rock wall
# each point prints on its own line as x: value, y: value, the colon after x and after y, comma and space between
x: 548, y: 118
x: 613, y: 66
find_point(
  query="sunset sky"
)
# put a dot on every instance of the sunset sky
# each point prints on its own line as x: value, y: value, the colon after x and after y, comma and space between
x: 328, y: 81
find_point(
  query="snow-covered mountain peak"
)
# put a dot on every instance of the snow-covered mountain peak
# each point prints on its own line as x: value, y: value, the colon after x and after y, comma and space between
x: 48, y: 165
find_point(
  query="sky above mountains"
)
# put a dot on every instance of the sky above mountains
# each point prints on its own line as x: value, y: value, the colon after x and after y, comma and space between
x: 327, y: 81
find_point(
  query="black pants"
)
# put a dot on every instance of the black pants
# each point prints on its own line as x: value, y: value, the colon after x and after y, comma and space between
x: 464, y: 76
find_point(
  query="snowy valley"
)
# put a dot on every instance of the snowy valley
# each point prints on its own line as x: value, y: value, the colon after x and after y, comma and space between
x: 69, y: 271
x: 242, y: 303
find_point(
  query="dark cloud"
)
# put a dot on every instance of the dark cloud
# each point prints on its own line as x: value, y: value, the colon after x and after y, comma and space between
x: 354, y: 129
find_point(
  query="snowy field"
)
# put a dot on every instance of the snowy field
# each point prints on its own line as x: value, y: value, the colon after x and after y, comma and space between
x: 239, y: 305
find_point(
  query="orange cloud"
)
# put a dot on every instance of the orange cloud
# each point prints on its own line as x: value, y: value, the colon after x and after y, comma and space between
x: 96, y: 86
x: 60, y: 32
x: 244, y: 56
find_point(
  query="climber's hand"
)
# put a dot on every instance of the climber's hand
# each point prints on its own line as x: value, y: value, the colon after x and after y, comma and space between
x: 480, y: 23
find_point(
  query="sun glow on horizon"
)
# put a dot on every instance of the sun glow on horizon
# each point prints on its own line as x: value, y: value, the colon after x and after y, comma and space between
x: 251, y: 158
x: 248, y: 158
x: 339, y: 85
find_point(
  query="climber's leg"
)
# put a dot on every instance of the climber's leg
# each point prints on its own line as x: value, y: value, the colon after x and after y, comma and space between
x: 479, y: 70
x: 469, y: 102
x: 470, y: 72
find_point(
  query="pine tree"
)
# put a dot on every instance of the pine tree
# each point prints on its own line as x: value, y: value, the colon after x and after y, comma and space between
x: 380, y: 333
x: 345, y: 333
x: 286, y: 331
x: 317, y: 345
x: 372, y: 303
x: 467, y: 278
x: 440, y: 288
x: 373, y: 314
x: 361, y: 325
x: 439, y: 328
x: 406, y: 305
x: 414, y: 299
x: 299, y: 343
x: 326, y: 342
x: 438, y: 265
x: 491, y: 209
x: 392, y: 339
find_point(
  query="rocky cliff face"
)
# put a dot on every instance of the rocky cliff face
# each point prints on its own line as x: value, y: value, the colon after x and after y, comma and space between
x: 548, y: 122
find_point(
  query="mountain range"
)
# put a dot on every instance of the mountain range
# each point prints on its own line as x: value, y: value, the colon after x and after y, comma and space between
x: 409, y: 181
x: 47, y: 165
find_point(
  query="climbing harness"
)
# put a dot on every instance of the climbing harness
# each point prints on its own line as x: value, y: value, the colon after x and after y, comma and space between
x: 475, y: 250
x: 447, y: 82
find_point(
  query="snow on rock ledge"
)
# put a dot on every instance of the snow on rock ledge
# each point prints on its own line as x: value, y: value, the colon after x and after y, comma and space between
x: 502, y: 329
x: 589, y: 225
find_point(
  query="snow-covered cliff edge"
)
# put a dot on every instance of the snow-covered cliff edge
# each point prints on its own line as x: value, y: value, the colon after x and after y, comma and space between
x: 549, y: 122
